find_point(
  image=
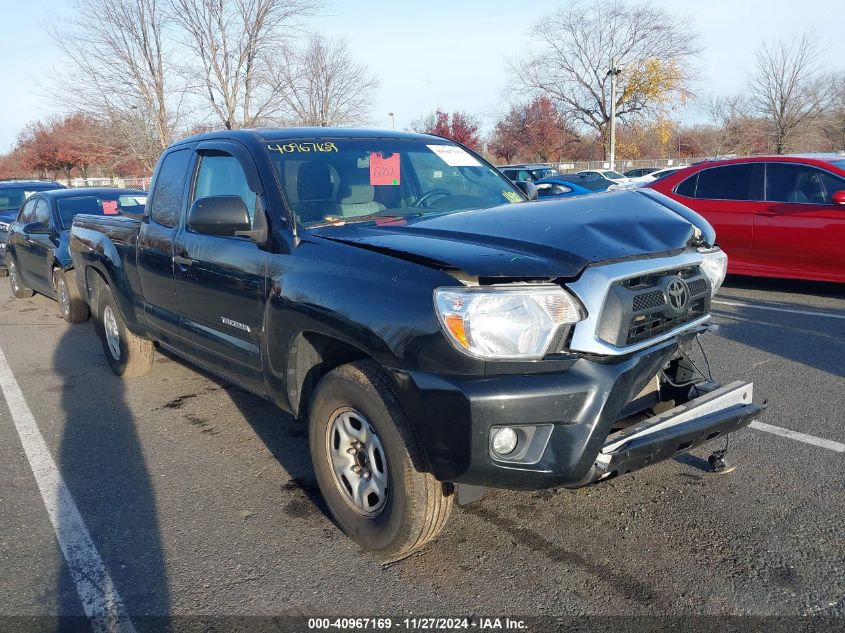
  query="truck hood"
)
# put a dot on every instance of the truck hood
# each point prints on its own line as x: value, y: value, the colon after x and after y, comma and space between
x: 549, y: 239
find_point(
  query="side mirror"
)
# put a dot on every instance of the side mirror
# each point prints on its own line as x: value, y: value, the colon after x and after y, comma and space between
x: 528, y: 188
x: 35, y: 228
x: 838, y: 197
x: 219, y: 215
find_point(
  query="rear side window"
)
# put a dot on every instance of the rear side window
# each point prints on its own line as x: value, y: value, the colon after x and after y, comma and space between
x: 800, y: 184
x: 731, y: 182
x: 166, y: 202
x: 687, y: 187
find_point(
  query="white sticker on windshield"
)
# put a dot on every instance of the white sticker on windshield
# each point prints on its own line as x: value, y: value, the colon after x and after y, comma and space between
x: 454, y: 156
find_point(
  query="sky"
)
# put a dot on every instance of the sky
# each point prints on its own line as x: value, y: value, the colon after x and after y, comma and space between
x: 439, y: 53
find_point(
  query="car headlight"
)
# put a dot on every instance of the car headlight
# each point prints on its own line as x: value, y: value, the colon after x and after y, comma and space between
x: 4, y: 226
x: 715, y: 266
x: 505, y: 323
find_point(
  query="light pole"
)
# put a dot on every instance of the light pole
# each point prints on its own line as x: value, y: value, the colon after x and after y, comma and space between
x: 613, y: 73
x: 392, y: 120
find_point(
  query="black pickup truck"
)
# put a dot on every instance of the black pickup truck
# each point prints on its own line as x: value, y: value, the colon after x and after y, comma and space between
x: 439, y: 332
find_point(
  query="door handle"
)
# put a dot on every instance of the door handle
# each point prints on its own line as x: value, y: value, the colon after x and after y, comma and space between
x: 182, y: 261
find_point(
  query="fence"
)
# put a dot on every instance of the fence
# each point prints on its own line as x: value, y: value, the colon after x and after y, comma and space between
x: 120, y: 183
x: 625, y: 165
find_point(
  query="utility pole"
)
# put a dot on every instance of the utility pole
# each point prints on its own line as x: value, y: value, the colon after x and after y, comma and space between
x: 613, y: 72
x: 392, y: 120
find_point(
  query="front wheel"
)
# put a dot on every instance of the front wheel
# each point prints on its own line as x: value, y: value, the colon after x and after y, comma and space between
x: 127, y: 355
x: 368, y: 464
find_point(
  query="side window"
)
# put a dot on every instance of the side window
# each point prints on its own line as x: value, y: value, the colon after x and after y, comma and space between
x: 731, y: 182
x: 222, y: 175
x: 42, y: 212
x: 801, y: 184
x: 687, y: 187
x: 166, y: 201
x: 27, y: 213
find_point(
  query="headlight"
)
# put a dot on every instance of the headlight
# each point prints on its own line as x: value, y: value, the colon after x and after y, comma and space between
x: 499, y: 323
x: 715, y: 266
x: 4, y: 226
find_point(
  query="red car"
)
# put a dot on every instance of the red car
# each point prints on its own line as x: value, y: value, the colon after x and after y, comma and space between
x: 775, y: 216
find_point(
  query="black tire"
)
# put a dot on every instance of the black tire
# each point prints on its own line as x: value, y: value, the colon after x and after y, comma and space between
x: 416, y: 507
x: 72, y: 306
x: 133, y: 355
x: 19, y: 291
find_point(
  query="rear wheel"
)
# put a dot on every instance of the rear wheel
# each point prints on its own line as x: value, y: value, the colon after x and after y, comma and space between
x: 71, y: 304
x: 19, y: 291
x: 127, y: 355
x: 368, y: 464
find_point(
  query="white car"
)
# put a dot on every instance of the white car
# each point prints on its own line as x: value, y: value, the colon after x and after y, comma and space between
x: 607, y: 174
x: 635, y: 183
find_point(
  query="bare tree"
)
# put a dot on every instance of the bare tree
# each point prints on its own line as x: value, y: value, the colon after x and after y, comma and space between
x: 785, y: 87
x: 832, y: 122
x: 322, y: 84
x: 234, y: 48
x: 571, y: 55
x: 119, y: 71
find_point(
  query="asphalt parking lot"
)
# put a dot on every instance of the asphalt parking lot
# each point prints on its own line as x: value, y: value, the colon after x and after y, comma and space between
x: 200, y: 499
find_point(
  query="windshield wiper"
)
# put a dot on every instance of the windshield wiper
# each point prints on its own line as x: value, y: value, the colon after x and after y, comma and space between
x: 339, y: 220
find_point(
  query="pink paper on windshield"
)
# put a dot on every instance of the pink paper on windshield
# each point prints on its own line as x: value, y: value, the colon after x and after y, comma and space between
x: 384, y: 171
x: 110, y: 207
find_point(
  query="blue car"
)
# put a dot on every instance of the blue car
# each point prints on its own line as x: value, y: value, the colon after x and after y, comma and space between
x: 37, y: 249
x: 13, y: 194
x: 568, y: 186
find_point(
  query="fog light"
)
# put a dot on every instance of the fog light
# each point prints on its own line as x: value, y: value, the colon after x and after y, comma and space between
x: 504, y: 441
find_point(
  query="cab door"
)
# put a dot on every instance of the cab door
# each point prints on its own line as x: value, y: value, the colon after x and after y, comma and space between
x: 221, y: 281
x: 799, y: 231
x: 165, y: 208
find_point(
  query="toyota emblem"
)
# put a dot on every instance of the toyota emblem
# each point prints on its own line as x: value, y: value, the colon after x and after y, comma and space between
x: 677, y: 294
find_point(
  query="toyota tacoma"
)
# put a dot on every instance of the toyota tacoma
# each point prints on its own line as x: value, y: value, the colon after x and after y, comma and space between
x: 438, y: 332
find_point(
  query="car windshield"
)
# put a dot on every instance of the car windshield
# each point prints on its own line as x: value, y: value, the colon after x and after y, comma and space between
x: 12, y: 198
x: 357, y: 180
x: 100, y: 204
x: 613, y: 175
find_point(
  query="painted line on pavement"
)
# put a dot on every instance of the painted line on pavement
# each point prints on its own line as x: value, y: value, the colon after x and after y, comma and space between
x: 801, y: 437
x: 740, y: 304
x: 103, y: 605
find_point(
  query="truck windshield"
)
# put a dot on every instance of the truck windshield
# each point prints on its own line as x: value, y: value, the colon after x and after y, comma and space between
x: 357, y: 180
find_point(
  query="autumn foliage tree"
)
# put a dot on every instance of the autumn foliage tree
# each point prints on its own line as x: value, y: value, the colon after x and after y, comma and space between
x: 536, y: 132
x: 458, y: 126
x: 572, y: 49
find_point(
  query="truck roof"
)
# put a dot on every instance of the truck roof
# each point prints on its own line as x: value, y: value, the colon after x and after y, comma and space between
x: 278, y: 134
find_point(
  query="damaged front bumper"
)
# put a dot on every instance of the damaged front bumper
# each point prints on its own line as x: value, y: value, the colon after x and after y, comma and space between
x: 684, y: 427
x: 568, y: 418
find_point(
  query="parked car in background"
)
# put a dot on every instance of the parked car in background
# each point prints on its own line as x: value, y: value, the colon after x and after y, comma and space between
x: 13, y: 194
x: 528, y: 172
x: 776, y: 216
x: 568, y: 186
x: 37, y: 250
x: 609, y: 174
x: 640, y: 172
x: 634, y: 183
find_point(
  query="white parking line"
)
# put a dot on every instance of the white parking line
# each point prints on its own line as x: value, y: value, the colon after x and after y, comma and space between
x: 740, y: 304
x: 102, y: 604
x: 801, y: 437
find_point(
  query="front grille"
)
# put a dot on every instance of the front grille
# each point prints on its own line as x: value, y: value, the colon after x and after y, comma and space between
x: 653, y: 299
x: 640, y: 308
